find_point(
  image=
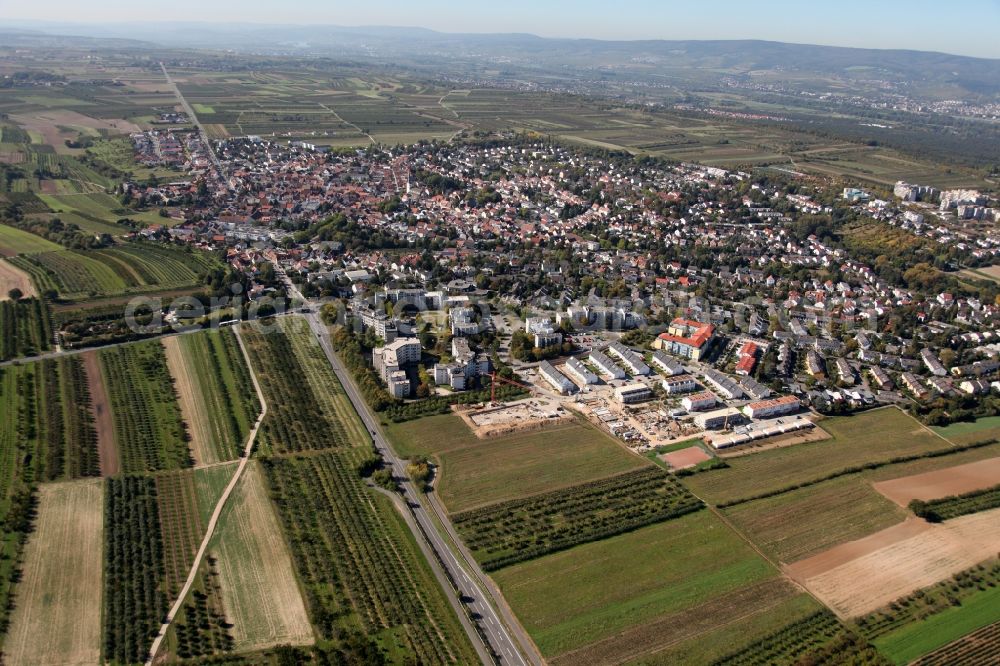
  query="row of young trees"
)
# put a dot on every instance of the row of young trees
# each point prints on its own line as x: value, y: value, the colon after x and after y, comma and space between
x: 149, y: 430
x: 522, y: 529
x: 818, y: 638
x: 25, y: 328
x: 134, y: 602
x: 352, y: 561
x: 953, y: 506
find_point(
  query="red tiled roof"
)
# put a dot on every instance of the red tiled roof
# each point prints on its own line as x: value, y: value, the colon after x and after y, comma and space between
x: 702, y: 333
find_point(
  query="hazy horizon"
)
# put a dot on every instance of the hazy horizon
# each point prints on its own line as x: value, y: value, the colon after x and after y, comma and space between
x: 854, y: 24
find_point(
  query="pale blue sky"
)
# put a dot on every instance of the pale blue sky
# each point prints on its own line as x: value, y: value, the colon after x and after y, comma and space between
x: 953, y: 26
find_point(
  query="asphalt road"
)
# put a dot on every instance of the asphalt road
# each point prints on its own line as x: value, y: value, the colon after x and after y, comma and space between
x: 502, y: 642
x: 197, y: 123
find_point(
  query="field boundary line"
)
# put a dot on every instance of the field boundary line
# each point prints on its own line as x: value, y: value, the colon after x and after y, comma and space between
x: 219, y: 506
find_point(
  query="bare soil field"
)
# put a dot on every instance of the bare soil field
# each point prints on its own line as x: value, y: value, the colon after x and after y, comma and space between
x: 49, y: 124
x: 259, y: 592
x: 57, y: 619
x: 685, y: 458
x: 861, y: 576
x: 104, y: 421
x: 942, y: 483
x: 186, y: 385
x: 12, y: 277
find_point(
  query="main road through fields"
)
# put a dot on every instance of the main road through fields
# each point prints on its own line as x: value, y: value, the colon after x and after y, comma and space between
x: 197, y: 123
x: 510, y: 645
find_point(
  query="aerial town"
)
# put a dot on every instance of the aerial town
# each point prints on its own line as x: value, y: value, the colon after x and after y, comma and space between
x: 663, y: 300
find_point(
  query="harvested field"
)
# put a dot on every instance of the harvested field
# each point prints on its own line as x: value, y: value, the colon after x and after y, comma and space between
x: 104, y: 421
x: 942, y: 483
x: 57, y: 618
x: 259, y: 592
x: 861, y: 576
x: 810, y: 520
x: 12, y: 277
x: 685, y: 458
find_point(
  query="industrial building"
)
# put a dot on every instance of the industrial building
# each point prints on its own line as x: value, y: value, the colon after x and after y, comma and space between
x: 727, y: 417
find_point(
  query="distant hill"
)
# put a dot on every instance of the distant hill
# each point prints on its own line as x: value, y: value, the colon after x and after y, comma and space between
x: 951, y: 74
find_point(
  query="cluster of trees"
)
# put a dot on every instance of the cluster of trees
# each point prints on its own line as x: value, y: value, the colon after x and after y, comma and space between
x: 437, y: 183
x: 517, y: 530
x: 25, y: 329
x: 945, y: 508
x: 352, y: 353
x: 202, y: 628
x: 522, y: 347
x: 329, y: 519
x: 419, y: 471
x: 818, y: 638
x: 134, y: 601
x: 57, y: 231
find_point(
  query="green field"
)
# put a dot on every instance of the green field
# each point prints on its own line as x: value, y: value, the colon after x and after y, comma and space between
x: 876, y: 435
x: 123, y: 269
x: 25, y: 328
x: 149, y: 431
x: 216, y: 392
x: 692, y: 568
x: 14, y: 241
x: 806, y: 521
x: 971, y: 431
x: 362, y: 574
x: 474, y: 472
x: 917, y: 639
